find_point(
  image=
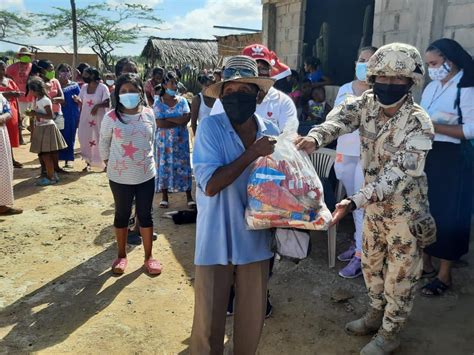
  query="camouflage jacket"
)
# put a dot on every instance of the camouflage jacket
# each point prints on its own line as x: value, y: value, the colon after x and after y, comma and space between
x: 392, y: 154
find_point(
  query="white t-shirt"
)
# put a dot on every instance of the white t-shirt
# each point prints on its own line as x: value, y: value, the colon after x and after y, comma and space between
x: 347, y: 144
x: 204, y: 110
x: 40, y: 108
x: 128, y: 146
x: 276, y: 107
x: 439, y: 100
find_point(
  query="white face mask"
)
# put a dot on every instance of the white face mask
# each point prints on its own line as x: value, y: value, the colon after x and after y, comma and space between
x: 439, y: 73
x: 110, y: 82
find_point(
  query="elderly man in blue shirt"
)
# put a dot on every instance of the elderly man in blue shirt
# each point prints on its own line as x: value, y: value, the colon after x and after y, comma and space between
x: 227, y: 252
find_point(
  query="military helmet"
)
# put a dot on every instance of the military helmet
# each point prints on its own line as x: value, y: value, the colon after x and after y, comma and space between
x: 396, y: 59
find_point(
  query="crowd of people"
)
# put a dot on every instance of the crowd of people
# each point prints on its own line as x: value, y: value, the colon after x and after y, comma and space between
x: 393, y: 157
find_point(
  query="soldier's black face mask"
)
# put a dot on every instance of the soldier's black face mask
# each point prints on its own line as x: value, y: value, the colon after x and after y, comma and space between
x: 390, y: 94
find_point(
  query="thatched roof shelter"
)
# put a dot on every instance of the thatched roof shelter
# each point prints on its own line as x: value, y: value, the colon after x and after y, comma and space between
x: 200, y: 53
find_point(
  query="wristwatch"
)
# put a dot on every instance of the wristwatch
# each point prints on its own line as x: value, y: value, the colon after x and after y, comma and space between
x: 352, y: 206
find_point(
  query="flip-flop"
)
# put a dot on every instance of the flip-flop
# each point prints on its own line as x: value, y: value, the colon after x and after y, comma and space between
x: 152, y: 266
x: 10, y: 211
x: 119, y: 265
x: 164, y: 204
x: 434, y: 288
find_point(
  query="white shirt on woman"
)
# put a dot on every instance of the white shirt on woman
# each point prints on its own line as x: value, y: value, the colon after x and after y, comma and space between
x: 438, y: 101
x: 347, y: 144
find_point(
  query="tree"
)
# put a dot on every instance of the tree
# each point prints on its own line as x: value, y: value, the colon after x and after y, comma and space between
x: 13, y: 25
x: 103, y: 26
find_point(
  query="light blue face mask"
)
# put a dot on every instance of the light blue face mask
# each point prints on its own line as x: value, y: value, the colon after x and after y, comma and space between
x: 170, y: 92
x: 129, y: 101
x: 361, y: 71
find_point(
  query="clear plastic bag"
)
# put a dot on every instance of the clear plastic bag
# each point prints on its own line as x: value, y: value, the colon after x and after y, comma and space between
x: 284, y: 190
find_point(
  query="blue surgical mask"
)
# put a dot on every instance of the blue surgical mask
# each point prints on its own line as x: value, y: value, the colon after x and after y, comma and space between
x: 361, y: 71
x: 129, y: 101
x: 170, y: 92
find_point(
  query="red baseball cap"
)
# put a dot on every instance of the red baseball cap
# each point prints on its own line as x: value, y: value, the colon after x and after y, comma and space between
x: 258, y: 52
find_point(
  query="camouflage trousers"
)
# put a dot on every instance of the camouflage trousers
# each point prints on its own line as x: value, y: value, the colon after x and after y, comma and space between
x: 392, y: 264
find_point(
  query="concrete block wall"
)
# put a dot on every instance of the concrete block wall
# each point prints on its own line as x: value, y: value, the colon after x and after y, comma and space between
x: 422, y: 21
x: 459, y: 23
x: 287, y: 25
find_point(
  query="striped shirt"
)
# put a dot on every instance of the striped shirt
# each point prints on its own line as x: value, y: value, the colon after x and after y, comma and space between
x: 128, y: 146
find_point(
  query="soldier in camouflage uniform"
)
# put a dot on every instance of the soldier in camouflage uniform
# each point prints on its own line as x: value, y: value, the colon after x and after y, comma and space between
x: 396, y: 135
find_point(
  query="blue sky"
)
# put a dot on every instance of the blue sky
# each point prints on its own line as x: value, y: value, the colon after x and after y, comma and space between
x: 182, y: 19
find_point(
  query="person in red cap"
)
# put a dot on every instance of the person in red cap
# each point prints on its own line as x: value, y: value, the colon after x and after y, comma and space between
x: 275, y: 106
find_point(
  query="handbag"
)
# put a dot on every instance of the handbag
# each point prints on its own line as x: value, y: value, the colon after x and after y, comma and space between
x: 59, y: 120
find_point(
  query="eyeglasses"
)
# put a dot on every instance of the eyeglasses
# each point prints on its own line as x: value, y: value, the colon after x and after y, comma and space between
x: 231, y: 72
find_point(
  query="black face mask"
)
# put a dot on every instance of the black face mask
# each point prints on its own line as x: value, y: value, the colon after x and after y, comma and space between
x: 87, y: 80
x: 389, y: 94
x: 239, y: 106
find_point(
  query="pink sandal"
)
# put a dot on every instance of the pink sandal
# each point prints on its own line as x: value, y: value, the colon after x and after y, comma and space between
x: 119, y: 265
x: 152, y: 266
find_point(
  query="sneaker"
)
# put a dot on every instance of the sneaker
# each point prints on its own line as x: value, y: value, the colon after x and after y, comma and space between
x: 45, y: 182
x: 134, y: 238
x: 348, y: 254
x: 352, y: 270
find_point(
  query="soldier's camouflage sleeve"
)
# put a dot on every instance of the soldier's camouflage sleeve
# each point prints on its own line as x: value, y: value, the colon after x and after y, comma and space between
x: 343, y: 119
x: 407, y: 163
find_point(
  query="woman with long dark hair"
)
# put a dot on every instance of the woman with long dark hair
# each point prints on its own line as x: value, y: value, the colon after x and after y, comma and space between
x: 71, y: 112
x: 95, y: 100
x: 172, y: 142
x: 449, y: 100
x: 126, y: 141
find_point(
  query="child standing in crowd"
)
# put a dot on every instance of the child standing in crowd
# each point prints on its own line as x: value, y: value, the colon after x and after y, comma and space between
x: 172, y: 142
x: 94, y: 99
x: 71, y: 113
x: 55, y: 93
x: 46, y: 139
x: 312, y: 66
x: 348, y: 167
x: 315, y: 110
x: 126, y: 146
x: 156, y: 79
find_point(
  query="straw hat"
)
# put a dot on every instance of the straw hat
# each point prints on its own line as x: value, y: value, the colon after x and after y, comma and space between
x: 240, y: 69
x: 23, y: 51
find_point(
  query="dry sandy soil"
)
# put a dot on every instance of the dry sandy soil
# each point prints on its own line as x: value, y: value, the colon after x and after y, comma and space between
x: 57, y: 294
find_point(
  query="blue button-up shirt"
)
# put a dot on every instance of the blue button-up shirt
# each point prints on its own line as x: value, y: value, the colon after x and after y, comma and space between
x: 222, y: 236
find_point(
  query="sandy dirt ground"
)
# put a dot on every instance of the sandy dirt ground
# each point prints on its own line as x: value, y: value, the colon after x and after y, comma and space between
x: 57, y: 294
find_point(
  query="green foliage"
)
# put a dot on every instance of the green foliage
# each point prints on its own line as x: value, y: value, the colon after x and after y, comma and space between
x: 102, y: 26
x: 13, y: 25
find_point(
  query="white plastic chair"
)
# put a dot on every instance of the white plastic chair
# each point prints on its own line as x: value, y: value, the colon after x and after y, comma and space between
x: 323, y: 160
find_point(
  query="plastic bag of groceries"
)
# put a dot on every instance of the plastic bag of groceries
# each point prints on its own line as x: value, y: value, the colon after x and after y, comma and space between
x: 284, y: 190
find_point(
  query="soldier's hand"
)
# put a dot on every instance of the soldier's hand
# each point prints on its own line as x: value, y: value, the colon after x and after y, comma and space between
x: 263, y: 146
x: 308, y: 144
x: 342, y: 209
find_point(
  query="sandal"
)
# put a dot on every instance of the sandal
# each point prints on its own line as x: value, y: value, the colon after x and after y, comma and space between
x: 434, y: 288
x: 429, y: 275
x: 152, y: 266
x: 164, y: 204
x: 10, y: 211
x: 119, y: 265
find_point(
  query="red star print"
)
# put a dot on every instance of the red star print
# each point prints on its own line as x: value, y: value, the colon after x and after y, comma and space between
x: 118, y: 133
x: 92, y: 143
x: 129, y: 150
x: 142, y: 161
x: 120, y: 166
x: 92, y: 123
x: 90, y: 103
